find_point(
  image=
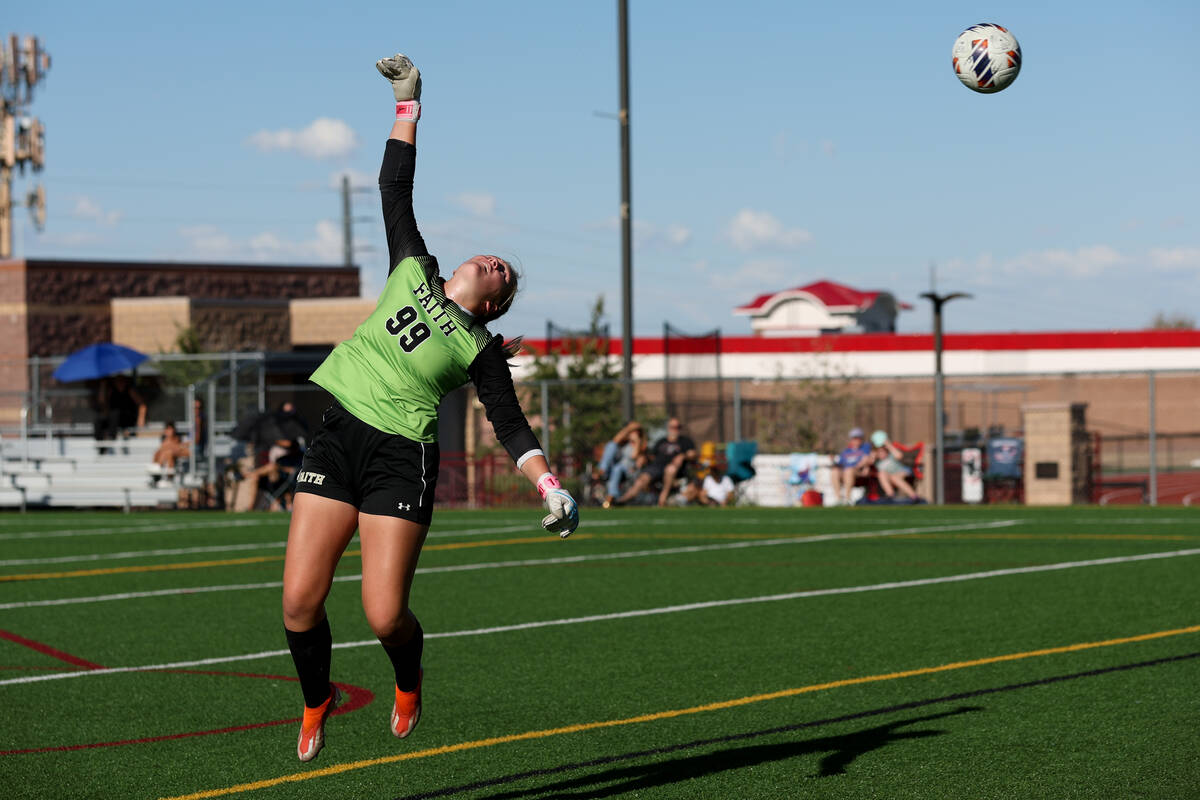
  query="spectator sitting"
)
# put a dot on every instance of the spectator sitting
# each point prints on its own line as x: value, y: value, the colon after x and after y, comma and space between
x: 283, y: 459
x: 717, y: 489
x: 119, y: 408
x: 890, y: 469
x: 668, y: 461
x: 275, y: 441
x: 171, y: 449
x: 852, y: 463
x: 624, y: 455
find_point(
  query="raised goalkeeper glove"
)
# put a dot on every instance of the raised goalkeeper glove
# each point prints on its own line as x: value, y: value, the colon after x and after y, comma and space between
x: 406, y: 85
x: 563, y: 518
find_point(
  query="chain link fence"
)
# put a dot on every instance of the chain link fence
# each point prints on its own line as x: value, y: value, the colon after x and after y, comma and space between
x: 1143, y: 422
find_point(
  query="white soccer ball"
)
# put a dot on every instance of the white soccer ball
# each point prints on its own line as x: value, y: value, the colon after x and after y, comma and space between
x: 987, y: 57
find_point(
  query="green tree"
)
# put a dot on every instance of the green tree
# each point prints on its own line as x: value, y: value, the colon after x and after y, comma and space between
x: 186, y: 372
x: 583, y: 414
x: 1175, y: 321
x: 812, y: 414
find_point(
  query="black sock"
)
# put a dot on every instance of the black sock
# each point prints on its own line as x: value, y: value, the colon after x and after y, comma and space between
x: 406, y: 659
x: 311, y: 652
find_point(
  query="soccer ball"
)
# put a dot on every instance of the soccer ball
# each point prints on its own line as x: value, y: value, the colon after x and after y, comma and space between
x: 987, y: 57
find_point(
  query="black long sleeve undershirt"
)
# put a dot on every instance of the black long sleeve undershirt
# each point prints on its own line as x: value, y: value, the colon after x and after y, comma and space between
x: 396, y: 190
x: 494, y: 387
x: 489, y: 371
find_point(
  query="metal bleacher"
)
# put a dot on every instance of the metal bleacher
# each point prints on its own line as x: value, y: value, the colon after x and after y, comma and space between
x: 67, y: 471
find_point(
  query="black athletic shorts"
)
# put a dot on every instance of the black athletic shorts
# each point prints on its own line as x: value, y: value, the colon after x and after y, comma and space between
x: 376, y: 472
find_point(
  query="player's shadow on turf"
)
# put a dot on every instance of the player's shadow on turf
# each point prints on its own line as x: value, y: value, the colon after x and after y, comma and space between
x: 841, y: 753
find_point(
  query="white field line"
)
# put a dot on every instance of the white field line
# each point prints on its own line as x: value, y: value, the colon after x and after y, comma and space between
x: 223, y: 548
x: 54, y: 534
x: 103, y: 598
x: 532, y: 562
x: 642, y: 612
x: 174, y: 551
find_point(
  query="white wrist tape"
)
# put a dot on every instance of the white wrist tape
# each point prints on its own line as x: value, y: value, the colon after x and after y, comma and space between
x: 408, y: 110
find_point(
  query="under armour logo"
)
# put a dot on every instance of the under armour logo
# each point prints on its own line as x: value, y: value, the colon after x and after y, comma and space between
x: 404, y: 507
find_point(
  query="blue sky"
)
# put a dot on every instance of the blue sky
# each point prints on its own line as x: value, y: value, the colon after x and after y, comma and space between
x: 774, y: 144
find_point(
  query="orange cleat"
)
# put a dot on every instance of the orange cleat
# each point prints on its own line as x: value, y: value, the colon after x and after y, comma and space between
x: 312, y: 728
x: 406, y: 711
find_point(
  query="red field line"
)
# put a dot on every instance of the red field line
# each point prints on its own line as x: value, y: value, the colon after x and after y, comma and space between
x: 358, y: 697
x: 47, y: 650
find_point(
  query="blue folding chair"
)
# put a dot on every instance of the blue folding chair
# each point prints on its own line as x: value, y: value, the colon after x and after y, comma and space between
x: 739, y: 458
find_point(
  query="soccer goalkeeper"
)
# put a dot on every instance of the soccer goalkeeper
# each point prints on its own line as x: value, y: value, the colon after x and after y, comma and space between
x: 373, y: 464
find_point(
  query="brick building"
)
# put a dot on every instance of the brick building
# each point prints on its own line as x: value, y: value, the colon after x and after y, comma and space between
x: 51, y: 307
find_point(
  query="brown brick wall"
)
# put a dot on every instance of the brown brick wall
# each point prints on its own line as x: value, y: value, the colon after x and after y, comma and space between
x: 246, y: 325
x: 70, y: 300
x: 56, y: 330
x: 84, y: 282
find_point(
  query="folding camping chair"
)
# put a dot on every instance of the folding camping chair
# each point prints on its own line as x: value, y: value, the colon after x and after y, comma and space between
x: 739, y: 460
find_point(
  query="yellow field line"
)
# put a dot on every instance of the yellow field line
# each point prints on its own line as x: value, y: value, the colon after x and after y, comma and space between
x: 335, y: 769
x: 543, y: 539
x: 84, y: 573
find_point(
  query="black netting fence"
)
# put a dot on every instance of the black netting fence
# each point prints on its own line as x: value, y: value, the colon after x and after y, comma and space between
x: 692, y: 386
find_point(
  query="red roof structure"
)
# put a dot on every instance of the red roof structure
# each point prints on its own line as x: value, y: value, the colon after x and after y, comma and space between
x: 834, y: 296
x: 822, y: 307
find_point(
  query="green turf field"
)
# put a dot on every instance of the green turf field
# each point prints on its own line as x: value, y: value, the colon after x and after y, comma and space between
x: 707, y: 653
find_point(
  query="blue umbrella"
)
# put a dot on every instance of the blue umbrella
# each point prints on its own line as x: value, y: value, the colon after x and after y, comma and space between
x: 96, y: 361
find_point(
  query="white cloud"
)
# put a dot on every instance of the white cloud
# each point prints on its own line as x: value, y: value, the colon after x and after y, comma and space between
x: 323, y: 138
x: 649, y: 236
x: 757, y: 230
x: 677, y: 235
x: 479, y: 204
x: 828, y: 148
x: 1175, y: 258
x: 1084, y: 262
x: 755, y: 277
x: 87, y: 208
x: 209, y: 241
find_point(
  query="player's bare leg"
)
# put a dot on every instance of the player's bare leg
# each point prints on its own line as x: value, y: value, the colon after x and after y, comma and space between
x: 391, y: 548
x: 319, y: 532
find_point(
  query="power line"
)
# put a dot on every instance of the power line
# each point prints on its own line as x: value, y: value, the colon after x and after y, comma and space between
x: 133, y: 183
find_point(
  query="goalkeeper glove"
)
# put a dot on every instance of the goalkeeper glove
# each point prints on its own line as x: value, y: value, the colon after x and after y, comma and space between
x: 563, y: 518
x: 406, y: 85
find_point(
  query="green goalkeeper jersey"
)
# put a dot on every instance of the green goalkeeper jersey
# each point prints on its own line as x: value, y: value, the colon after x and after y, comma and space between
x: 411, y: 352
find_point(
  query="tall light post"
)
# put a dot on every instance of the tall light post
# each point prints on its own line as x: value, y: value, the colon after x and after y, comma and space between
x: 939, y: 413
x: 626, y: 217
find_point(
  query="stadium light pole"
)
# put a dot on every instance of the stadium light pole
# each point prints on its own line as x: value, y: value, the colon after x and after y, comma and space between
x: 939, y: 413
x: 626, y: 218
